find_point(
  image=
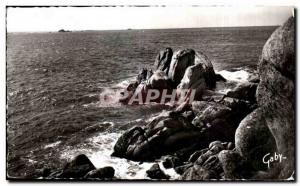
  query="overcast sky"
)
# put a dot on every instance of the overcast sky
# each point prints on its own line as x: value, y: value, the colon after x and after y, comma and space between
x: 113, y: 18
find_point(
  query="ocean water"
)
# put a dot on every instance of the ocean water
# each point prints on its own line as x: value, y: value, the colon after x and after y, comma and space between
x: 54, y: 79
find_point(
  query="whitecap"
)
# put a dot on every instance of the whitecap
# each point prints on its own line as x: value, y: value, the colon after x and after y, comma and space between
x: 125, y: 83
x: 239, y: 76
x: 100, y: 156
x: 51, y: 145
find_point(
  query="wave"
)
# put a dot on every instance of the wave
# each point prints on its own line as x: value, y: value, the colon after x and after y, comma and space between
x: 99, y: 150
x: 238, y: 76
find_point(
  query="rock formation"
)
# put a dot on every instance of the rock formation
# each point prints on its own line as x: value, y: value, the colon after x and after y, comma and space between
x: 257, y: 116
x: 82, y: 168
x: 184, y: 71
x: 269, y: 131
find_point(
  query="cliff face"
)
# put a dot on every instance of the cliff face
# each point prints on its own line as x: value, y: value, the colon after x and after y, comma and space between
x: 273, y: 123
x: 276, y: 92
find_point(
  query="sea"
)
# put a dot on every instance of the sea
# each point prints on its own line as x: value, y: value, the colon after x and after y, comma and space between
x: 54, y: 80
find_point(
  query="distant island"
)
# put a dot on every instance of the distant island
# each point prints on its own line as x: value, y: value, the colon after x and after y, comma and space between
x: 62, y: 30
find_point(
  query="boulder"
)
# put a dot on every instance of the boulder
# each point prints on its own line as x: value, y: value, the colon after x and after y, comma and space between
x: 162, y: 136
x: 183, y: 132
x: 210, y: 76
x: 76, y: 168
x: 206, y: 112
x: 163, y: 60
x: 199, y: 76
x: 171, y: 162
x: 219, y: 77
x: 254, y: 140
x: 156, y: 173
x: 219, y: 120
x: 276, y: 92
x: 102, y: 173
x: 196, y: 155
x: 128, y: 137
x: 206, y: 167
x: 244, y: 91
x: 138, y: 92
x: 180, y: 61
x: 272, y: 126
x: 231, y: 163
x: 159, y: 80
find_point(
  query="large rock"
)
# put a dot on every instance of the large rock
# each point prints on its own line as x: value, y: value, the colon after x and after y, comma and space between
x: 272, y: 126
x: 276, y: 92
x: 244, y: 91
x: 254, y: 140
x: 200, y: 74
x: 171, y: 162
x: 163, y: 60
x: 209, y: 75
x: 137, y: 93
x: 198, y: 77
x: 162, y: 136
x: 102, y: 173
x: 181, y: 132
x: 180, y: 61
x: 142, y: 75
x: 207, y: 166
x: 156, y: 173
x: 220, y: 120
x: 159, y: 80
x: 76, y: 168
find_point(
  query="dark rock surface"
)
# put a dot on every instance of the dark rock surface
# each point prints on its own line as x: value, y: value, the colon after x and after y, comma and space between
x: 183, y: 131
x: 255, y: 118
x: 172, y: 162
x: 254, y: 140
x: 163, y: 60
x: 271, y: 127
x: 180, y: 61
x: 276, y: 92
x: 102, y: 173
x: 156, y: 173
x: 244, y: 91
x: 76, y: 168
x: 207, y: 166
x: 161, y: 136
x: 186, y: 70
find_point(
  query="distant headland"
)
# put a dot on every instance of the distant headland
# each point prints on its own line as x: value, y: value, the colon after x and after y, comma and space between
x: 62, y: 30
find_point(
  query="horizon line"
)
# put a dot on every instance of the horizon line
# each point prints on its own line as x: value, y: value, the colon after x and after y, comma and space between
x: 132, y: 29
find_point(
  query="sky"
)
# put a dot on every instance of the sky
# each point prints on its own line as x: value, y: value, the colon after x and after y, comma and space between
x: 118, y: 18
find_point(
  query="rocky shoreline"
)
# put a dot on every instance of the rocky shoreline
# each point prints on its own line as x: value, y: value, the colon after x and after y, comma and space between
x: 216, y: 136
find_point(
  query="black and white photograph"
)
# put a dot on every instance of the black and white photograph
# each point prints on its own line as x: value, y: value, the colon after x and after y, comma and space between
x: 151, y: 93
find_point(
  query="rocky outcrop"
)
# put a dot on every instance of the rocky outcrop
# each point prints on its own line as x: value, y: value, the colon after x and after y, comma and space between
x: 276, y: 92
x: 172, y: 162
x: 161, y: 136
x: 76, y: 168
x: 244, y: 91
x: 163, y: 60
x: 156, y: 173
x: 186, y: 71
x: 270, y: 129
x: 205, y: 163
x: 180, y: 61
x: 102, y: 173
x: 254, y: 139
x: 187, y: 130
x: 257, y: 118
x: 198, y: 77
x: 82, y: 168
